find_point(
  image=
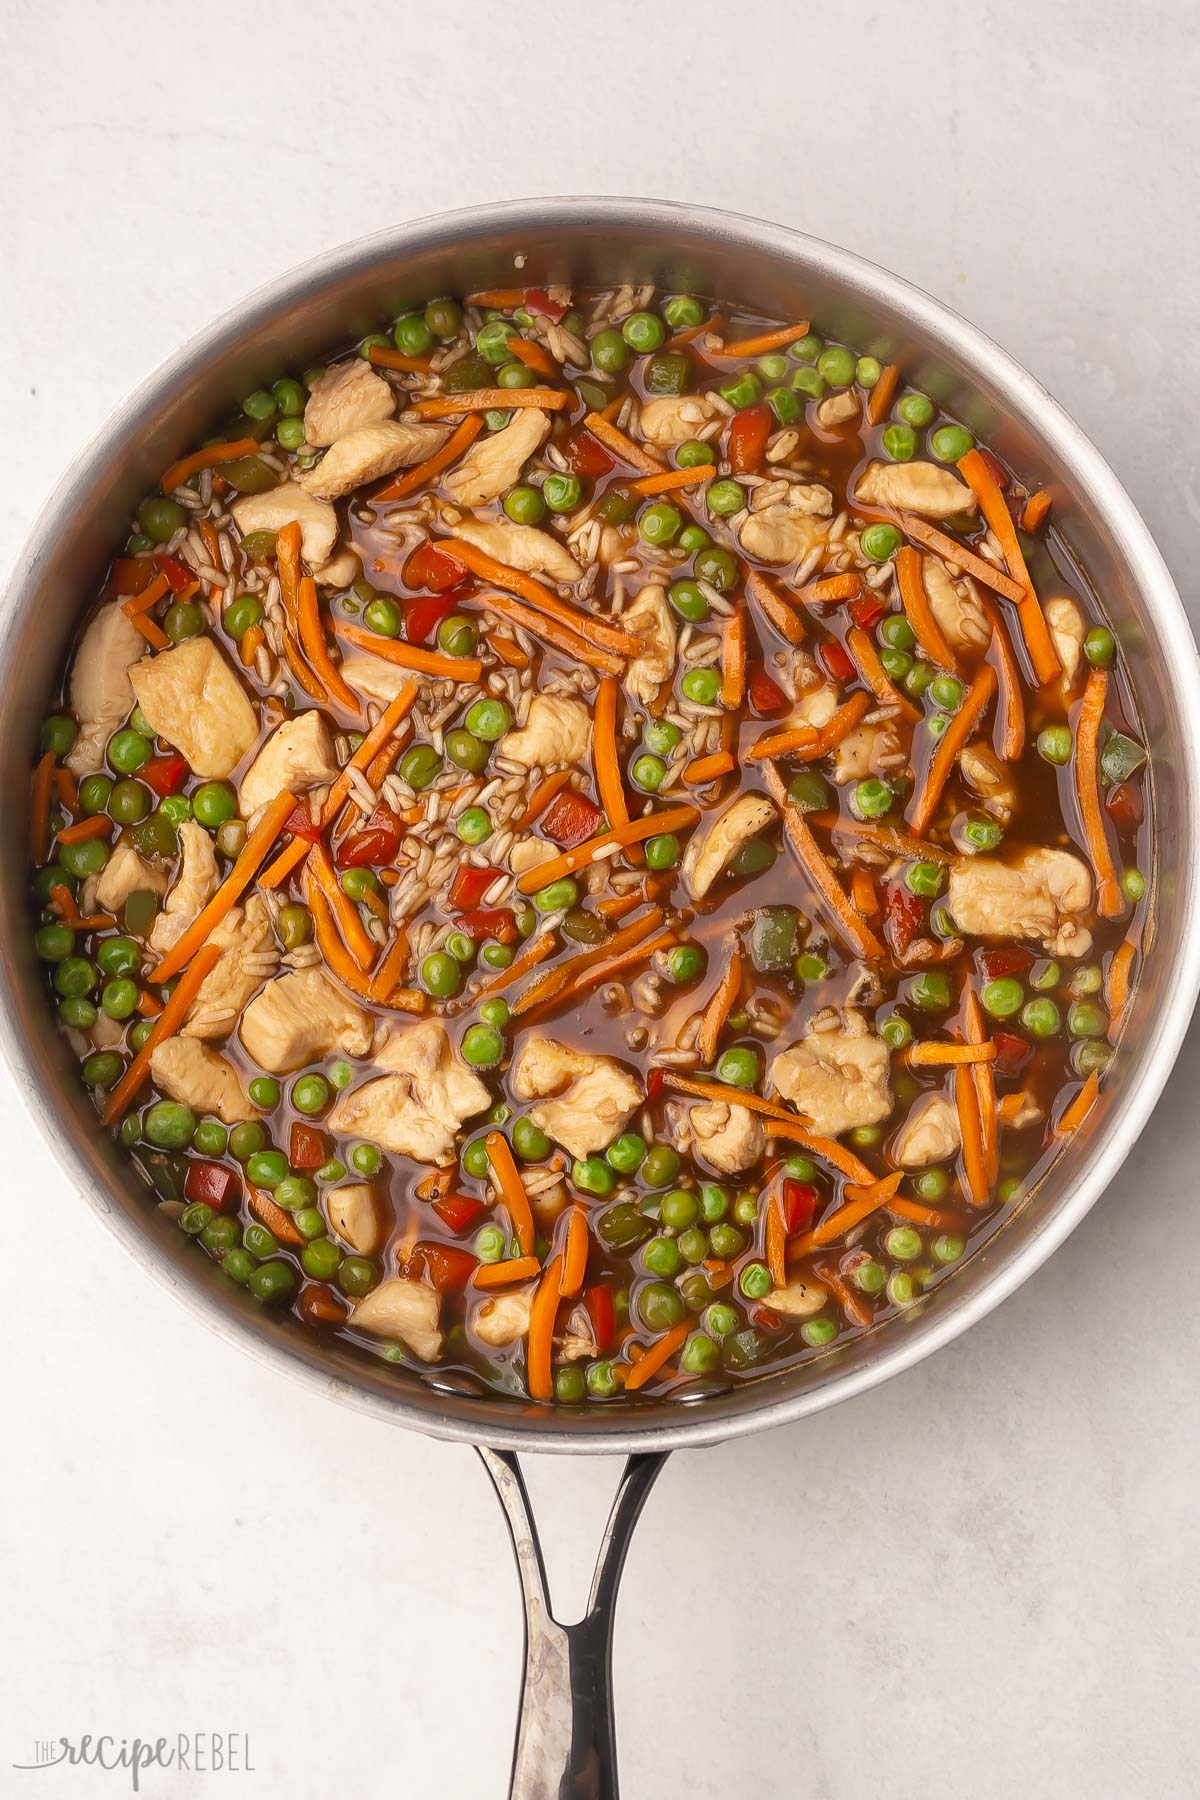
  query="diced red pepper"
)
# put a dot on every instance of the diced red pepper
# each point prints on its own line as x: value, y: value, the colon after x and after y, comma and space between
x: 448, y: 1267
x: 656, y: 1081
x: 1010, y: 960
x: 178, y: 575
x: 598, y: 1302
x: 130, y: 575
x: 165, y: 774
x: 458, y: 1211
x: 837, y: 661
x: 538, y: 302
x: 430, y: 567
x: 584, y: 456
x: 748, y: 434
x: 423, y: 615
x: 497, y: 922
x: 469, y: 886
x: 866, y: 611
x: 301, y: 823
x: 318, y: 1304
x: 903, y: 915
x: 571, y: 820
x: 1123, y: 804
x: 799, y: 1205
x: 766, y: 697
x: 765, y: 1319
x: 212, y: 1184
x: 1012, y: 1053
x: 308, y: 1147
x: 375, y: 842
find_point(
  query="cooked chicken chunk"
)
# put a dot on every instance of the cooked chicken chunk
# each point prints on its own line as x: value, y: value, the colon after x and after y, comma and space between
x: 583, y: 1101
x: 1067, y: 632
x: 249, y: 956
x: 955, y: 605
x: 521, y: 547
x: 929, y: 1134
x: 403, y: 1309
x: 300, y: 1017
x: 815, y: 707
x: 650, y: 618
x: 101, y: 694
x: 713, y: 846
x: 1039, y: 894
x: 495, y: 460
x: 836, y: 1077
x: 729, y: 1138
x: 557, y: 731
x: 529, y: 853
x: 505, y: 1319
x: 869, y: 750
x: 279, y: 507
x: 194, y: 887
x: 198, y: 1077
x: 371, y: 676
x: 983, y: 771
x: 837, y: 409
x: 1026, y: 1112
x: 673, y: 419
x: 782, y: 534
x: 578, y: 1341
x: 344, y: 399
x: 416, y: 1108
x: 798, y: 1300
x: 340, y: 571
x: 356, y: 1214
x: 812, y: 498
x: 372, y: 451
x: 297, y: 755
x: 919, y: 487
x: 193, y: 699
x: 127, y: 873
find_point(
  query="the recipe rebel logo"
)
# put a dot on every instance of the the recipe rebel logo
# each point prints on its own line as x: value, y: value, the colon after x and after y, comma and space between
x: 191, y: 1753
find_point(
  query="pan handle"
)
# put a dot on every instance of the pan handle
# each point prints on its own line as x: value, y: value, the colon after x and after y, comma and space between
x: 566, y: 1745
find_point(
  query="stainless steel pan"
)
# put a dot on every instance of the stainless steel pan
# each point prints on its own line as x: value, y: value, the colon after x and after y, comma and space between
x: 565, y: 1742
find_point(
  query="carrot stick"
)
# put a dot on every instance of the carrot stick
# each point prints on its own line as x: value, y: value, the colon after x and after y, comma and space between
x: 540, y: 1342
x: 935, y: 1056
x: 154, y: 635
x: 975, y: 1027
x: 650, y: 1364
x: 1038, y: 641
x: 381, y: 764
x: 508, y: 651
x: 268, y: 1212
x: 391, y: 968
x: 253, y: 638
x: 929, y: 1216
x: 880, y: 396
x: 381, y: 357
x: 39, y: 808
x: 918, y: 611
x: 410, y: 656
x: 606, y: 765
x: 672, y: 818
x: 717, y: 322
x: 312, y: 641
x: 149, y: 596
x: 765, y: 340
x: 287, y: 560
x: 1087, y: 788
x: 866, y: 661
x: 598, y: 973
x: 565, y: 973
x: 862, y: 893
x: 497, y: 299
x: 99, y: 826
x: 147, y: 1005
x: 948, y: 747
x: 888, y: 837
x: 575, y: 1255
x: 1074, y: 1115
x: 412, y: 480
x: 63, y: 902
x: 1120, y: 969
x: 165, y: 1025
x: 978, y: 567
x: 855, y: 1309
x: 860, y: 1203
x: 1035, y: 510
x: 622, y: 446
x: 703, y: 769
x: 65, y: 788
x: 534, y: 357
x: 234, y: 885
x: 210, y: 458
x: 805, y: 742
x: 672, y: 480
x: 775, y: 608
x: 833, y: 588
x: 1009, y: 706
x: 722, y: 1003
x: 359, y: 942
x: 733, y: 661
x: 489, y: 399
x: 550, y: 632
x: 511, y: 1188
x: 500, y: 1274
x: 343, y: 965
x: 775, y: 1241
x: 855, y: 930
x: 546, y: 790
x: 535, y: 951
x: 970, y: 1126
x: 540, y: 597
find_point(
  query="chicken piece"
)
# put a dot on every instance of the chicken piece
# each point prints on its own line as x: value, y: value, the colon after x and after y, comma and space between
x: 782, y: 534
x: 983, y: 771
x: 713, y: 846
x: 583, y: 1101
x: 578, y: 1341
x: 417, y: 1107
x: 101, y: 694
x: 372, y: 451
x: 548, y: 1205
x: 356, y: 1214
x: 505, y: 1319
x: 345, y: 399
x: 815, y: 707
x: 1026, y: 1112
x: 1038, y: 894
x: 279, y: 507
x: 650, y: 619
x: 521, y: 547
x: 403, y: 1309
x: 297, y: 755
x: 372, y: 677
x: 729, y: 1138
x: 557, y: 731
x: 837, y: 409
x: 919, y: 487
x: 1067, y: 632
x: 299, y: 1018
x: 495, y: 460
x: 800, y: 1299
x: 674, y: 418
x: 868, y: 750
x: 249, y: 956
x: 200, y: 1078
x: 955, y: 605
x: 929, y: 1134
x: 127, y: 873
x: 836, y: 1077
x: 811, y: 498
x: 529, y: 853
x: 341, y: 571
x: 192, y: 698
x: 194, y: 887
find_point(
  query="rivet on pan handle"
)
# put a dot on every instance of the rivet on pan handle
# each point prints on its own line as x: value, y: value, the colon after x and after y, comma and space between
x: 566, y: 1745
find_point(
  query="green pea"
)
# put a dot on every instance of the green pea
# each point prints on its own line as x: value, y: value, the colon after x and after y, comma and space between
x: 475, y: 1159
x: 659, y: 522
x: 949, y: 443
x: 139, y: 1033
x: 529, y: 1140
x: 658, y: 1306
x: 260, y: 1242
x: 384, y: 617
x: 818, y: 1332
x: 169, y: 1126
x: 441, y: 975
x: 660, y: 1166
x: 601, y: 1379
x: 367, y: 1159
x: 592, y: 1175
x: 266, y: 1168
x: 562, y: 493
x: 648, y: 773
x: 465, y: 751
x: 246, y: 1139
x: 213, y: 804
x: 74, y: 977
x: 615, y: 508
x: 916, y: 410
x: 160, y: 518
x: 259, y: 405
x: 1085, y: 1019
x: 662, y: 852
x: 569, y: 1385
x: 931, y: 1184
x: 515, y: 375
x: 58, y: 734
x: 741, y: 390
x: 784, y: 404
x: 556, y: 896
x: 103, y: 1070
x: 870, y: 1277
x: 773, y: 366
x: 492, y: 342
x: 127, y: 751
x: 738, y: 1067
x: 467, y: 374
x: 867, y: 371
x: 1003, y: 997
x: 183, y: 620
x: 896, y: 1032
x: 496, y: 956
x: 444, y: 318
x: 903, y: 1243
x: 220, y: 1234
x: 662, y: 737
x: 119, y: 998
x: 1100, y: 647
x: 482, y: 1046
x: 195, y: 1219
x: 925, y: 879
x: 176, y: 808
x: 694, y: 455
x: 689, y: 600
x: 809, y: 791
x: 900, y: 443
x: 1054, y: 744
x: 294, y: 926
x: 610, y: 352
x: 357, y: 883
x: 686, y: 962
x: 701, y: 686
x: 87, y: 858
x: 78, y: 1013
x: 716, y: 565
x: 896, y: 663
x: 726, y: 1240
x: 836, y: 365
x: 489, y: 720
x: 259, y: 546
x: 643, y: 332
x: 755, y: 1281
x: 947, y: 691
x: 809, y: 381
x: 625, y: 1154
x: 1133, y: 885
x: 420, y: 766
x: 683, y: 311
x: 94, y: 792
x: 310, y: 1094
x: 693, y: 538
x: 931, y: 991
x: 231, y: 838
x: 725, y: 497
x: 273, y: 1282
x: 663, y: 1257
x: 210, y: 1137
x: 984, y: 834
x: 872, y: 798
x: 525, y: 505
x: 879, y: 542
x: 918, y: 678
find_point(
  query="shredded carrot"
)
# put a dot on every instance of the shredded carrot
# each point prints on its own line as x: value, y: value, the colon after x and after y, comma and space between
x: 775, y: 1241
x: 359, y: 941
x: 931, y: 1055
x: 975, y: 1027
x: 1010, y: 707
x: 550, y: 632
x: 805, y: 743
x: 880, y: 396
x: 1038, y: 641
x: 855, y: 1309
x: 775, y: 608
x: 606, y: 765
x: 253, y: 639
x: 508, y: 651
x: 948, y: 747
x: 719, y: 1272
x: 381, y: 357
x: 583, y: 624
x: 659, y: 1353
x: 210, y: 458
x: 149, y: 596
x: 1087, y: 789
x: 703, y: 769
x: 566, y: 974
x: 410, y: 656
x: 99, y: 826
x: 147, y: 1005
x: 39, y: 808
x: 918, y: 611
x: 859, y: 1204
x: 854, y: 929
x: 489, y: 399
x: 535, y: 951
x: 63, y: 902
x: 303, y: 675
x: 165, y: 1025
x: 929, y: 1216
x: 833, y: 588
x: 512, y: 1189
x: 766, y: 340
x: 381, y: 765
x: 535, y: 357
x: 1120, y: 970
x: 970, y: 1124
x: 862, y: 892
x: 866, y: 661
x: 575, y: 1255
x: 672, y: 480
x: 460, y: 439
x: 65, y: 788
x: 724, y: 999
x: 690, y: 333
x: 338, y: 959
x: 287, y: 558
x: 388, y: 974
x: 154, y: 635
x: 888, y: 837
x: 539, y: 1343
x: 950, y: 550
x: 543, y: 794
x: 1035, y: 510
x: 268, y: 1212
x: 1010, y: 1106
x: 622, y: 446
x: 783, y: 1122
x: 733, y: 661
x: 497, y: 299
x: 1074, y: 1115
x: 312, y: 640
x: 501, y: 1274
x: 234, y: 885
x: 598, y: 973
x: 672, y: 818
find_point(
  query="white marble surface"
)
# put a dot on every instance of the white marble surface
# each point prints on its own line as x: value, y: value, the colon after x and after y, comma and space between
x: 980, y: 1581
